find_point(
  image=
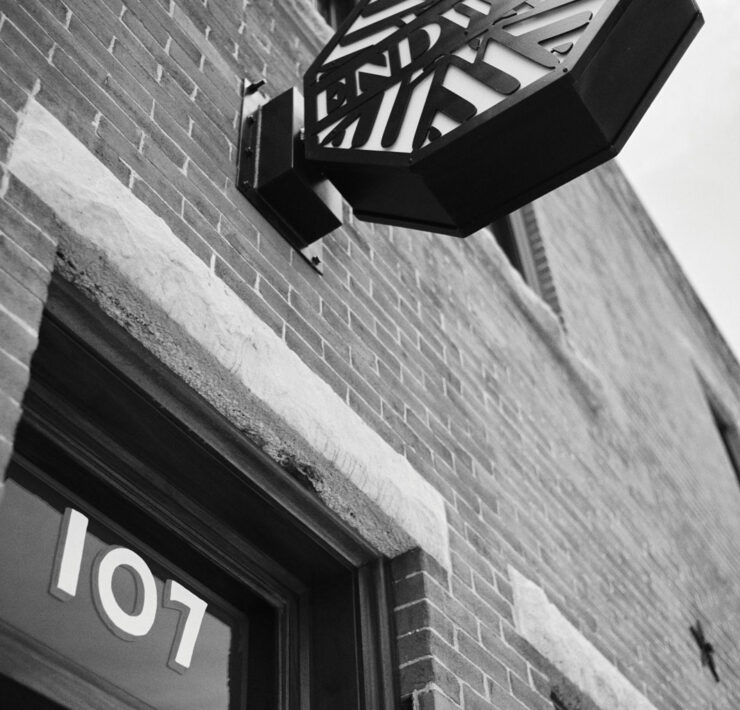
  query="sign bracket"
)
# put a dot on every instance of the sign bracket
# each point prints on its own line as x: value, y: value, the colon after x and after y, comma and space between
x: 275, y: 177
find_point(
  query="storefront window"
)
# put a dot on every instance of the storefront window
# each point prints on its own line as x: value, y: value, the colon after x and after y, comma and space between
x: 87, y: 594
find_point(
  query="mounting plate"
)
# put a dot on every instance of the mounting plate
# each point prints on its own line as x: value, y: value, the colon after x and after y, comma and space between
x: 275, y: 177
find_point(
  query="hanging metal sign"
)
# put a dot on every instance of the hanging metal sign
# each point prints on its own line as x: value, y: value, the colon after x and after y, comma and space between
x: 447, y: 114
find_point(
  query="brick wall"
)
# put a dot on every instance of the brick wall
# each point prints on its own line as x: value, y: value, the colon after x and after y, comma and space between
x: 27, y: 248
x: 583, y: 455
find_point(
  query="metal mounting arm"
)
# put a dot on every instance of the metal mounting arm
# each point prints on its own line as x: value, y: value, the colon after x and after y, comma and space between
x: 274, y: 176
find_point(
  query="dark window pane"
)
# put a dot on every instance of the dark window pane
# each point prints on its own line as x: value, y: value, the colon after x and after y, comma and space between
x: 519, y: 237
x: 17, y: 697
x: 504, y: 234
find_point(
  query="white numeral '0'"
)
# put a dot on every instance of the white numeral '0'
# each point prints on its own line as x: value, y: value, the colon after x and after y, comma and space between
x: 66, y: 575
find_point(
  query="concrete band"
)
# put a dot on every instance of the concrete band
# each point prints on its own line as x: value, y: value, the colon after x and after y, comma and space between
x: 134, y: 258
x: 542, y: 624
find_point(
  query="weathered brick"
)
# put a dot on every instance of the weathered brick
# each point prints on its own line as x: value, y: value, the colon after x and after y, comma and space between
x: 350, y: 375
x: 417, y: 560
x: 21, y: 265
x: 142, y: 30
x: 370, y: 414
x: 472, y: 650
x: 13, y: 100
x: 19, y: 300
x: 162, y: 151
x: 22, y: 232
x: 424, y: 615
x: 423, y: 643
x: 302, y: 328
x: 315, y: 362
x: 419, y: 674
x: 14, y: 375
x: 267, y: 315
x: 175, y: 79
x: 153, y: 199
x: 19, y: 72
x: 473, y: 700
x: 5, y: 141
x: 25, y: 24
x: 18, y: 339
x: 495, y: 645
x: 531, y: 698
x: 240, y: 234
x: 486, y: 591
x: 194, y: 241
x: 152, y: 18
x: 275, y: 249
x: 502, y: 699
x: 409, y: 589
x: 52, y: 8
x: 97, y: 97
x: 6, y: 451
x: 10, y: 413
x: 274, y: 298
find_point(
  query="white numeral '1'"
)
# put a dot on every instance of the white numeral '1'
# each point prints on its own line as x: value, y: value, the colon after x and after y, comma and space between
x: 68, y: 557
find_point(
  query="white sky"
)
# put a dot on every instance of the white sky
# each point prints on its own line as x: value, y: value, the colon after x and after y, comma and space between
x: 684, y: 161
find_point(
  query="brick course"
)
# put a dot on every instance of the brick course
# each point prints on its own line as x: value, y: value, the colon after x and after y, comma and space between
x: 26, y: 259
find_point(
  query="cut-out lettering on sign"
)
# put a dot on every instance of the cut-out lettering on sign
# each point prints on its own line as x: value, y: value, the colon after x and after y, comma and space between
x: 446, y: 115
x: 407, y: 72
x: 127, y: 624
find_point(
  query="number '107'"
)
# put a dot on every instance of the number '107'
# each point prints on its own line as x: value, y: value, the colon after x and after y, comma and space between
x: 124, y: 624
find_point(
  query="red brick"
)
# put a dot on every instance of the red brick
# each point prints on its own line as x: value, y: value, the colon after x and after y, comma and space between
x: 315, y: 362
x: 423, y: 615
x: 434, y: 700
x: 491, y: 666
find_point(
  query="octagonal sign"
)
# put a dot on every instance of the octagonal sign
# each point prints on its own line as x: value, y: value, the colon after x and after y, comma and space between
x: 447, y: 114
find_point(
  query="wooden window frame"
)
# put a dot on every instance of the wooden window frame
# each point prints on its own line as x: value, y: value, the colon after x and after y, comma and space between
x: 95, y: 392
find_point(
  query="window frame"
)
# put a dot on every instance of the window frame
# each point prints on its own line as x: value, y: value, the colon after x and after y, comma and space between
x: 730, y: 437
x: 519, y: 237
x: 335, y: 12
x: 329, y: 588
